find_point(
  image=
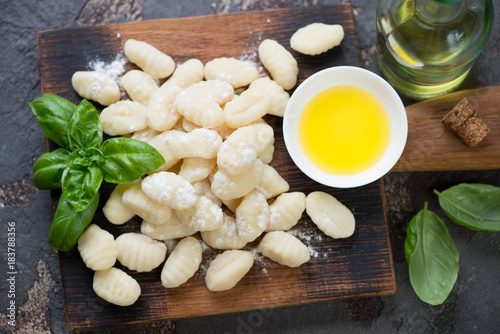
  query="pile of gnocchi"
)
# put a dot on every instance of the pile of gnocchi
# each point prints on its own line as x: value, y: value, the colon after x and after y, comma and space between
x: 216, y: 188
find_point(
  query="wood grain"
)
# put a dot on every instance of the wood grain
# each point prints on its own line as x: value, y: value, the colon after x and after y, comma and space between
x: 359, y: 266
x: 432, y: 147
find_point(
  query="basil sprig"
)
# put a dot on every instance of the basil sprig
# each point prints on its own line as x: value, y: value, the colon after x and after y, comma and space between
x: 475, y: 206
x: 432, y: 257
x: 82, y: 162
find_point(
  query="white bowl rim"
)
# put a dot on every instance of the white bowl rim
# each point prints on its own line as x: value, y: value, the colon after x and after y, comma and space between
x: 346, y: 75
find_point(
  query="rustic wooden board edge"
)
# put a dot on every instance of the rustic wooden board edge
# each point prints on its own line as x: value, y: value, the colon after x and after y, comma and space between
x: 432, y: 147
x: 389, y: 286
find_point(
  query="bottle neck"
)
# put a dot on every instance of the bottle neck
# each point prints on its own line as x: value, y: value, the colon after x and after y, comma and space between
x: 440, y: 11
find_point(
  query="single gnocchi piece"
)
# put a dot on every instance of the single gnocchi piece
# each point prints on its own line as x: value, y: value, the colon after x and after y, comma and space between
x: 272, y: 184
x: 198, y: 107
x: 114, y: 210
x: 240, y: 150
x: 182, y: 263
x: 205, y: 215
x: 225, y: 237
x: 171, y: 229
x: 279, y: 62
x: 123, y: 117
x: 139, y: 86
x: 279, y: 96
x: 248, y: 107
x: 160, y: 113
x: 331, y: 216
x: 169, y: 189
x: 228, y: 187
x: 139, y: 252
x: 284, y: 248
x: 252, y: 216
x: 186, y: 74
x: 227, y: 269
x: 97, y: 248
x: 96, y: 86
x: 286, y: 211
x: 197, y: 169
x: 139, y: 203
x: 317, y: 38
x: 219, y: 90
x: 116, y: 287
x: 151, y: 60
x: 237, y: 72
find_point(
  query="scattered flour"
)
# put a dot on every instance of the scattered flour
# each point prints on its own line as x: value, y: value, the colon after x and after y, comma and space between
x: 115, y: 69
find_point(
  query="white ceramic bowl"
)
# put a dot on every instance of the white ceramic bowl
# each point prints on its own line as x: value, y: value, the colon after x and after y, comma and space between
x: 346, y: 75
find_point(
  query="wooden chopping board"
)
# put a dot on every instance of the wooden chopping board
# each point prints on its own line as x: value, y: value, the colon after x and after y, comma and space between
x: 432, y: 147
x: 358, y: 266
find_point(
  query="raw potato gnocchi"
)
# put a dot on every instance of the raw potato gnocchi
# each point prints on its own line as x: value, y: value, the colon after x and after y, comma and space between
x: 227, y: 269
x: 139, y: 203
x: 139, y: 86
x: 96, y: 86
x: 331, y: 216
x: 246, y: 108
x: 182, y: 263
x: 198, y: 107
x: 286, y: 211
x: 151, y: 60
x: 284, y: 248
x: 226, y: 237
x: 171, y: 229
x: 160, y: 113
x: 114, y: 210
x: 139, y: 252
x: 116, y: 286
x: 170, y: 189
x: 97, y: 248
x: 252, y: 216
x: 205, y: 215
x: 123, y: 117
x: 317, y: 38
x: 279, y: 96
x: 279, y: 62
x: 237, y: 72
x: 186, y: 74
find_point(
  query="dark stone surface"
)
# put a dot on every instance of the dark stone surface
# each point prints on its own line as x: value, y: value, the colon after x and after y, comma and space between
x: 472, y: 307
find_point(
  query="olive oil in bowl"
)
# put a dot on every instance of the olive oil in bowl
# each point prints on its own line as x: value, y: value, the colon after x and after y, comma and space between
x: 344, y: 130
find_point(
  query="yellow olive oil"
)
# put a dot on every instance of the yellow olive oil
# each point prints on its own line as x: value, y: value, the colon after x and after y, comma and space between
x: 344, y: 130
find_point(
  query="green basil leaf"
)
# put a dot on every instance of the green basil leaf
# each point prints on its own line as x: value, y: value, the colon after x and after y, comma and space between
x: 128, y: 159
x: 68, y: 224
x: 80, y: 185
x: 84, y: 128
x: 53, y: 113
x: 432, y: 257
x: 49, y: 167
x: 475, y: 206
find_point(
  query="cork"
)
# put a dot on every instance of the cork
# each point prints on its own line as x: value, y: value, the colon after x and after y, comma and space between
x: 464, y: 122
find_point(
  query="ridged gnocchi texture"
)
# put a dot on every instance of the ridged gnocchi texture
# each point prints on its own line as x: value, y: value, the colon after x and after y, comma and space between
x: 205, y: 215
x: 187, y: 74
x: 317, y: 38
x: 116, y: 287
x: 284, y: 248
x: 272, y: 184
x: 331, y: 216
x: 219, y: 91
x: 151, y: 60
x: 226, y: 237
x: 279, y: 62
x: 97, y: 248
x: 285, y: 211
x: 198, y: 107
x: 237, y: 72
x: 182, y: 263
x: 227, y: 269
x: 240, y: 150
x: 279, y: 96
x: 139, y: 252
x: 160, y: 113
x: 252, y: 216
x: 139, y: 86
x: 228, y: 187
x: 114, y: 210
x: 139, y: 203
x: 246, y: 108
x: 96, y: 86
x: 169, y: 189
x: 171, y: 229
x: 123, y: 117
